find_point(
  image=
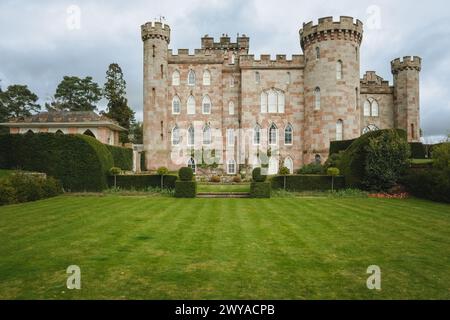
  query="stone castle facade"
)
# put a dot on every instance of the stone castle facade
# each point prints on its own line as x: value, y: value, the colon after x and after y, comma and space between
x: 221, y: 105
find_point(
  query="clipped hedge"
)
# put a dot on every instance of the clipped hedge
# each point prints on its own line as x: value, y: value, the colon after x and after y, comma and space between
x: 123, y: 157
x: 298, y: 183
x: 257, y: 176
x: 142, y: 182
x: 418, y: 150
x: 431, y: 184
x: 185, y: 189
x: 79, y: 162
x: 260, y: 189
x: 353, y: 161
x: 338, y: 146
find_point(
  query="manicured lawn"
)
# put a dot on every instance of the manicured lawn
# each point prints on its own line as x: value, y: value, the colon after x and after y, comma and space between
x: 282, y: 248
x: 223, y: 188
x: 422, y: 161
x: 5, y: 173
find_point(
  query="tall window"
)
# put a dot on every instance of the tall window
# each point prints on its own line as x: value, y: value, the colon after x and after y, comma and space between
x: 206, y: 105
x: 257, y: 135
x: 207, y: 135
x: 371, y: 108
x: 317, y: 53
x: 288, y: 163
x: 233, y: 58
x: 191, y: 136
x: 288, y: 132
x: 231, y: 167
x: 176, y: 78
x: 176, y: 136
x: 317, y: 98
x: 176, y: 105
x: 339, y: 130
x: 206, y: 78
x: 288, y: 78
x: 367, y: 108
x: 231, y: 108
x: 191, y: 105
x: 339, y: 75
x: 273, y: 134
x: 231, y: 82
x: 191, y: 78
x: 263, y: 102
x: 272, y: 101
x: 375, y: 108
x: 191, y: 164
x: 257, y: 77
x: 230, y: 137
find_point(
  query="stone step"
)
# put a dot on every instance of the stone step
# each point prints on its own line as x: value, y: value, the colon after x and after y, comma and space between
x: 223, y: 195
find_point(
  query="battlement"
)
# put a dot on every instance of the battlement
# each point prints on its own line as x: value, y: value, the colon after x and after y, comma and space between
x: 199, y: 56
x: 329, y: 29
x: 242, y: 43
x: 407, y: 63
x: 265, y: 62
x: 155, y: 30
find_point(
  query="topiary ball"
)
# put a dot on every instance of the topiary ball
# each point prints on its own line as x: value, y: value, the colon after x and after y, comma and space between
x: 257, y: 176
x: 186, y: 174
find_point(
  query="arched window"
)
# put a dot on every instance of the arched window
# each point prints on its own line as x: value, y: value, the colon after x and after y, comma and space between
x: 317, y: 53
x: 273, y: 165
x: 233, y: 58
x: 207, y: 139
x: 367, y: 108
x: 191, y: 78
x: 263, y: 102
x: 317, y: 98
x: 375, y: 108
x: 59, y: 132
x: 206, y: 105
x: 317, y: 159
x: 257, y: 135
x: 257, y: 77
x: 288, y: 163
x: 191, y: 164
x: 176, y: 136
x: 89, y: 133
x: 29, y: 132
x: 191, y: 136
x: 191, y: 105
x: 288, y: 133
x: 339, y: 130
x: 231, y: 167
x: 176, y: 78
x: 206, y: 78
x: 272, y: 101
x: 231, y: 108
x: 369, y: 128
x: 339, y: 75
x: 281, y: 102
x: 288, y: 78
x: 176, y: 105
x: 273, y: 134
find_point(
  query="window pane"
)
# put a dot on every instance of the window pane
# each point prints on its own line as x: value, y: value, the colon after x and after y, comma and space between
x: 206, y: 78
x: 280, y: 102
x: 231, y: 108
x: 339, y: 130
x: 191, y: 105
x: 191, y: 78
x: 191, y: 136
x: 317, y: 99
x: 288, y: 135
x: 176, y: 78
x: 375, y: 108
x: 367, y: 108
x: 263, y: 102
x: 272, y: 100
x: 206, y: 105
x: 230, y: 137
x: 257, y: 135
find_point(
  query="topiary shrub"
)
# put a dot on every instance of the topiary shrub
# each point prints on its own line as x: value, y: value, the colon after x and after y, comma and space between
x: 122, y: 157
x: 339, y: 146
x: 333, y: 172
x: 185, y: 189
x: 353, y: 161
x: 186, y: 174
x: 260, y: 189
x: 284, y: 171
x: 257, y: 176
x: 312, y: 168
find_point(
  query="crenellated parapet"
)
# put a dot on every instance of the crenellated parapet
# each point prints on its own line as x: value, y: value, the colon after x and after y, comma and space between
x: 265, y: 62
x: 242, y: 43
x: 372, y: 83
x: 407, y: 63
x: 327, y: 29
x: 199, y: 56
x: 155, y: 30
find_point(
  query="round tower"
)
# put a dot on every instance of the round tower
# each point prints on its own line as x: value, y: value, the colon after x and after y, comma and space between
x: 156, y: 38
x: 331, y: 82
x: 406, y: 95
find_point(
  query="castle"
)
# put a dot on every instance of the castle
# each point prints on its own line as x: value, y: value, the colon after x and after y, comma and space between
x: 222, y: 106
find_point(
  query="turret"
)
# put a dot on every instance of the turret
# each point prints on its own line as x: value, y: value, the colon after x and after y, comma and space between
x: 332, y: 83
x: 156, y: 38
x: 406, y: 95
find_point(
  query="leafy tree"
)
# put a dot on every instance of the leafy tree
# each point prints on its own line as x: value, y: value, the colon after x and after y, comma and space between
x: 115, y: 91
x: 386, y: 161
x: 17, y: 102
x: 115, y: 171
x: 137, y: 132
x: 76, y: 94
x: 441, y: 156
x: 284, y: 171
x: 333, y: 172
x: 162, y: 171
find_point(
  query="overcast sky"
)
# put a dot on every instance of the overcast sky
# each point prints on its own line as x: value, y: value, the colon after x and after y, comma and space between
x: 41, y: 41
